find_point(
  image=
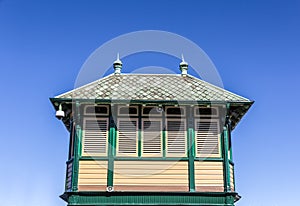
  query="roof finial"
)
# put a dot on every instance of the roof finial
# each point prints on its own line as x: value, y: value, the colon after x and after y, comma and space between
x: 118, y: 64
x: 183, y: 66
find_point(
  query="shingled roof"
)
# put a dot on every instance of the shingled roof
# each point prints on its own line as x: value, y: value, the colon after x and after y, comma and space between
x: 152, y: 87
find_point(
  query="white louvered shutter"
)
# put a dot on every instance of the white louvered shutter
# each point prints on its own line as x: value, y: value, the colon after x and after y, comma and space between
x: 127, y: 137
x: 176, y: 137
x: 152, y: 138
x: 95, y: 136
x: 207, y: 138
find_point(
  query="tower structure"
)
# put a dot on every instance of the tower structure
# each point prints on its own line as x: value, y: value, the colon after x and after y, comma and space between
x: 150, y: 139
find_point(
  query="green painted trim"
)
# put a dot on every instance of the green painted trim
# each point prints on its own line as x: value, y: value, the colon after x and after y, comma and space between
x: 191, y: 161
x: 111, y: 147
x: 135, y: 159
x: 143, y: 198
x: 190, y: 148
x: 82, y: 158
x: 76, y: 160
x: 164, y: 136
x: 226, y: 167
x: 110, y: 166
x: 139, y: 131
x: 77, y: 148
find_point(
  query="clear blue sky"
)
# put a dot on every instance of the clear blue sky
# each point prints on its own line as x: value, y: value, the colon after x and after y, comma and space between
x: 255, y: 46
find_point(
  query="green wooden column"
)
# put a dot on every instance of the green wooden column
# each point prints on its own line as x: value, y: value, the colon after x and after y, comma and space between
x: 77, y: 147
x: 191, y: 148
x: 111, y: 148
x: 226, y: 167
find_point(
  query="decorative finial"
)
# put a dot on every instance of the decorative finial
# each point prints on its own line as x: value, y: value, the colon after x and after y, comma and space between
x: 183, y: 66
x: 118, y: 65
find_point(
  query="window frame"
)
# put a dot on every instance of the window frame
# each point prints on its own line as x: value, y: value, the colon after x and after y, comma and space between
x: 94, y: 113
x: 185, y: 137
x: 83, y: 153
x: 198, y: 154
x: 205, y: 115
x: 128, y: 115
x: 161, y: 138
x: 118, y: 154
x: 183, y: 108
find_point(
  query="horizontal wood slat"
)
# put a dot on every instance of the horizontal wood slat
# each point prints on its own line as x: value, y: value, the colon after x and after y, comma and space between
x: 209, y: 176
x: 231, y: 178
x: 130, y: 175
x: 150, y: 188
x: 92, y: 173
x: 69, y: 175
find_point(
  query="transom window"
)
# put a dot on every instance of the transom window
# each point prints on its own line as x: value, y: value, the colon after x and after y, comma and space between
x: 96, y: 110
x: 175, y: 111
x: 206, y: 111
x: 128, y: 110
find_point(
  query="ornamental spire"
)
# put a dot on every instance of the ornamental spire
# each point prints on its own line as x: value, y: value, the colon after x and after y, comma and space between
x: 118, y: 65
x: 183, y: 66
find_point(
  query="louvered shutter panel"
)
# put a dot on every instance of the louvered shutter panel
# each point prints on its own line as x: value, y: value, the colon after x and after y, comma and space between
x: 176, y: 137
x: 127, y: 137
x: 95, y: 136
x: 151, y: 139
x: 207, y: 138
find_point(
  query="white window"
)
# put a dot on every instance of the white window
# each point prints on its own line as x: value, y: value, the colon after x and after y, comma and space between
x: 207, y: 138
x: 127, y: 139
x: 176, y: 137
x: 175, y: 111
x: 206, y: 111
x: 96, y: 110
x: 128, y: 110
x: 152, y: 111
x: 95, y: 136
x: 152, y: 137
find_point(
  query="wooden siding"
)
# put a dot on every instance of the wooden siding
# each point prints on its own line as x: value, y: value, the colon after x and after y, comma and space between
x: 231, y: 178
x: 209, y: 176
x: 92, y: 175
x: 150, y: 176
x: 69, y: 176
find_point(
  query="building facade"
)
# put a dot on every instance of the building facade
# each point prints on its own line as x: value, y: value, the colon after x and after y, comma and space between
x: 150, y: 139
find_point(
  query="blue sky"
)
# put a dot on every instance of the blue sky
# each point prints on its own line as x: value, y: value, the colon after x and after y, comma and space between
x: 255, y: 45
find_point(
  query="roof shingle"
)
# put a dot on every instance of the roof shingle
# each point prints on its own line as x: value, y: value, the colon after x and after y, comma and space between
x: 156, y: 87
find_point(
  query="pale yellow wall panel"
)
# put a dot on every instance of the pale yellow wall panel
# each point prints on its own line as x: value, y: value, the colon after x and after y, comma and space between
x: 210, y: 177
x: 209, y: 172
x: 92, y: 173
x: 151, y: 173
x: 150, y: 181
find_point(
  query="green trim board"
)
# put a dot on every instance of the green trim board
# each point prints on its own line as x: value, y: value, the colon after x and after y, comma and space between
x: 150, y: 198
